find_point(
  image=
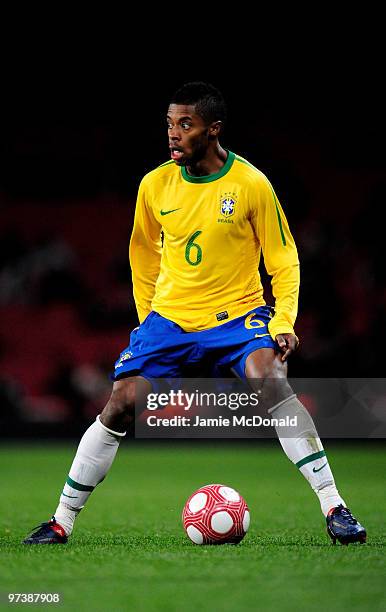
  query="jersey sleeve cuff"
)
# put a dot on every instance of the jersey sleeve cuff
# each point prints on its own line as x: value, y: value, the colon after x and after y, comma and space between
x: 279, y: 325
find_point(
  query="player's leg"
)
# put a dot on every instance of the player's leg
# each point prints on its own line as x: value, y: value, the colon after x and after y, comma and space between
x: 156, y: 350
x: 265, y: 370
x: 302, y: 445
x: 93, y: 459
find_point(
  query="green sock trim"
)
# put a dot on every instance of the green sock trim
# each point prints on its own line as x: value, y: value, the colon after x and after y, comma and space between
x: 310, y: 458
x: 78, y: 486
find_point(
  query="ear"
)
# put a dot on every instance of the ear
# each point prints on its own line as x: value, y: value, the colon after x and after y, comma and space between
x: 215, y: 128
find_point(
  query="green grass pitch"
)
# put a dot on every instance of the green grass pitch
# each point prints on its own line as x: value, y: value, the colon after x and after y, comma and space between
x: 129, y: 551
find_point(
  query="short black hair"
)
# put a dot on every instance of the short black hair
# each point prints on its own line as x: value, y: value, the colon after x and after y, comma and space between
x: 207, y: 100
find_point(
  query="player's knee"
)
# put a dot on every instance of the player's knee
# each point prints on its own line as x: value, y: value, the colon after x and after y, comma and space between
x: 119, y: 410
x: 270, y: 381
x: 122, y: 398
x: 274, y: 391
x: 275, y: 370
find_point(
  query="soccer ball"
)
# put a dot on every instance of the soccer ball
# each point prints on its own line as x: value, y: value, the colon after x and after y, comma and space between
x: 216, y: 514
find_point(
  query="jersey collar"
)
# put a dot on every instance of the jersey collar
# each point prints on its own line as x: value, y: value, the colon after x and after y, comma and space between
x: 210, y: 177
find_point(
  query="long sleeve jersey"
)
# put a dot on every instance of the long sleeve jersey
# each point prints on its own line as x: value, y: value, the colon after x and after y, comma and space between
x: 196, y: 246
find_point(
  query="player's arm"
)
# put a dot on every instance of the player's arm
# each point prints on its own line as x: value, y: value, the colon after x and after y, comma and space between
x: 145, y: 253
x: 282, y: 263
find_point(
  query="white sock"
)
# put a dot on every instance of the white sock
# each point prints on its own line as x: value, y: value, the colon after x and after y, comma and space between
x: 329, y: 498
x: 306, y: 451
x: 93, y: 459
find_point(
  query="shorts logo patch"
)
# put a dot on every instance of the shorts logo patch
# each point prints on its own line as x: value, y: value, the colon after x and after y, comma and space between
x: 221, y: 316
x: 123, y: 358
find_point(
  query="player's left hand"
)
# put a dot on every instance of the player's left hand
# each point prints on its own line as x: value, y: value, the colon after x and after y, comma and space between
x: 288, y: 343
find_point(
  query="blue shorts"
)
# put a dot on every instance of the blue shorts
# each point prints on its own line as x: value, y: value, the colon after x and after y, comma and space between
x: 160, y: 348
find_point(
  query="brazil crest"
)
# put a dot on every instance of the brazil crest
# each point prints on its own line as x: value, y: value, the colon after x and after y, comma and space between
x: 228, y: 204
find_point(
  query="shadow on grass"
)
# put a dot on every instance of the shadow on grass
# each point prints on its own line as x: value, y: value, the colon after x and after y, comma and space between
x: 163, y: 542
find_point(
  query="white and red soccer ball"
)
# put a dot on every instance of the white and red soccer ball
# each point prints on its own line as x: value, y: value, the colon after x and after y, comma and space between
x: 216, y: 514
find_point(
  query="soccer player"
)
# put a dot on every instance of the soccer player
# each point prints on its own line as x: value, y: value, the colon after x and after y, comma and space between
x: 199, y: 297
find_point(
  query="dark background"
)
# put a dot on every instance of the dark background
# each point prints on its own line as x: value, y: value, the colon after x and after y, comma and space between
x: 72, y: 156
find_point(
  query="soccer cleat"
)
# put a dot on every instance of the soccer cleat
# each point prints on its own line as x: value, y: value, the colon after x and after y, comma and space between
x: 47, y: 533
x: 342, y: 526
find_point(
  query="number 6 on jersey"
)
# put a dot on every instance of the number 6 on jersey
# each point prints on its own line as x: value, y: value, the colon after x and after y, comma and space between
x: 189, y: 246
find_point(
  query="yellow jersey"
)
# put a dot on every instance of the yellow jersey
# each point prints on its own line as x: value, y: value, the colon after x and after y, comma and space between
x: 196, y: 245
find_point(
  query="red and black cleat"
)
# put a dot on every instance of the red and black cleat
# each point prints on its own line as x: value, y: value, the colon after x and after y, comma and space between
x: 342, y: 526
x: 47, y: 533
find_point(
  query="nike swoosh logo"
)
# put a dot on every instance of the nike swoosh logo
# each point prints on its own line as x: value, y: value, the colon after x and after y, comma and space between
x: 318, y: 470
x: 74, y: 496
x: 261, y: 335
x: 167, y: 212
